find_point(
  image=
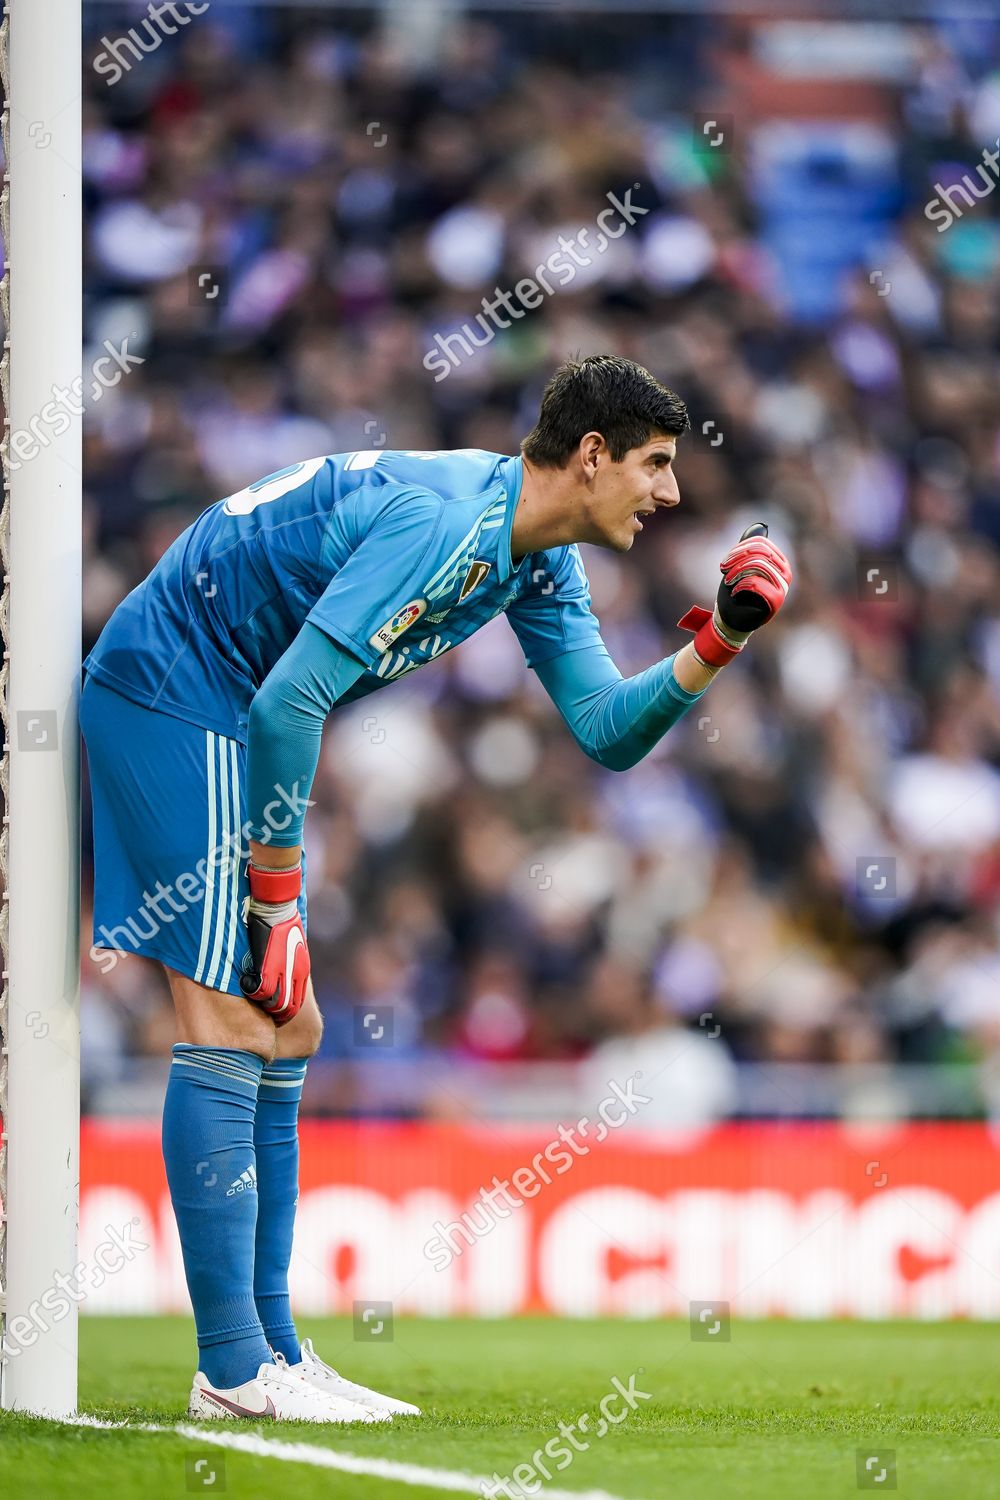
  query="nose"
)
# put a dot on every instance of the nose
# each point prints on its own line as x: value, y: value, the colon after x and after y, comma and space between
x: 667, y: 491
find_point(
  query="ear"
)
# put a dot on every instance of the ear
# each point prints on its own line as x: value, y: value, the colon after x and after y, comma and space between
x: 593, y: 452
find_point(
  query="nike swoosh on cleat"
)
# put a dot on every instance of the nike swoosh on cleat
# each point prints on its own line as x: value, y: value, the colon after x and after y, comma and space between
x: 242, y: 1411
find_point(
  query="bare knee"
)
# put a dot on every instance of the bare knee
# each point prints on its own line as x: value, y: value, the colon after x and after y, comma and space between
x: 302, y: 1036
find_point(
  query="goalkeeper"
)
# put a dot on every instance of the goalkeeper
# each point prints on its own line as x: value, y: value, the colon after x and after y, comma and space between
x: 203, y: 708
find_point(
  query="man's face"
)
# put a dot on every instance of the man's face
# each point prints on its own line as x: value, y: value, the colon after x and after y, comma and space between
x: 621, y: 495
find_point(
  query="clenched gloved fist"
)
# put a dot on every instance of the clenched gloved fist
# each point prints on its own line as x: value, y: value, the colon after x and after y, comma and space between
x: 279, y: 959
x: 756, y: 576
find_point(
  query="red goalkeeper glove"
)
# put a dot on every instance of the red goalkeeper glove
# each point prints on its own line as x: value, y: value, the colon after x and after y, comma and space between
x: 756, y: 576
x: 279, y: 959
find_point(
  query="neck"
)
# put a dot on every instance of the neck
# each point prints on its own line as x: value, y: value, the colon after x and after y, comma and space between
x: 547, y: 512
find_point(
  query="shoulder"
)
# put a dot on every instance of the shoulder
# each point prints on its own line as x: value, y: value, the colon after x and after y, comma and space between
x: 453, y: 474
x: 394, y: 503
x: 556, y: 573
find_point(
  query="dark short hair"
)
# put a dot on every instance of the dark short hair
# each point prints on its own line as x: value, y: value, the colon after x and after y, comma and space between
x: 607, y: 394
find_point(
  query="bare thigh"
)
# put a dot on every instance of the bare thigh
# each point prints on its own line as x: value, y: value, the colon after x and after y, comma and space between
x: 210, y: 1018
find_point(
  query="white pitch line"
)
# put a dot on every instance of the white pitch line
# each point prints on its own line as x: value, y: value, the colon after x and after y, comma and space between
x: 328, y: 1458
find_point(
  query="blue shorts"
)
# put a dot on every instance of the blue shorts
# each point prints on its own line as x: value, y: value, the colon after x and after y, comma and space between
x: 170, y: 850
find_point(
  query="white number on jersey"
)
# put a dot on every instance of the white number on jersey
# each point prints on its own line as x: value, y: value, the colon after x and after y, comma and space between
x: 263, y: 491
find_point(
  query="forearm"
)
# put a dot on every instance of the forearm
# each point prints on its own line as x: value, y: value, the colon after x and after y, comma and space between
x: 267, y: 858
x: 617, y: 720
x: 285, y: 734
x: 691, y: 672
x: 282, y: 754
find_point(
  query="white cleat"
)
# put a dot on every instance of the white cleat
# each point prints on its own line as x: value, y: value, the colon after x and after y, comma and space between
x: 322, y: 1378
x: 276, y: 1394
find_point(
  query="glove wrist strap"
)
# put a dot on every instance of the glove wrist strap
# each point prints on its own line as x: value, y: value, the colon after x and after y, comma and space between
x: 275, y: 887
x: 712, y: 644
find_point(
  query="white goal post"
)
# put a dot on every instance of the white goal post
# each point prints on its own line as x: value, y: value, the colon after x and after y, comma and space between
x: 40, y: 621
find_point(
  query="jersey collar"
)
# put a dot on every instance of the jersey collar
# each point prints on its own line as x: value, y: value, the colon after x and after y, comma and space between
x: 513, y: 475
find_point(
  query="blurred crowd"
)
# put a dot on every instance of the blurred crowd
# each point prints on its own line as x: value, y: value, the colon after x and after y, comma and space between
x: 284, y: 209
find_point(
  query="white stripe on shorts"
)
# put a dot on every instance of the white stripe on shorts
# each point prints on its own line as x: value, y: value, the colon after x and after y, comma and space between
x: 217, y: 952
x: 234, y: 898
x: 206, y: 918
x: 226, y: 862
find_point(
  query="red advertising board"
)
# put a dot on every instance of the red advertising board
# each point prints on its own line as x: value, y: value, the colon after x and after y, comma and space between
x: 799, y: 1220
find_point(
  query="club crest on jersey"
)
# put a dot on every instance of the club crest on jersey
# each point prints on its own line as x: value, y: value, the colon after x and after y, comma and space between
x: 393, y: 628
x: 473, y: 579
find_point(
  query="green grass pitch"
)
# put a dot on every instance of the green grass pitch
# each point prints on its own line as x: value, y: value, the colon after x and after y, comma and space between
x: 782, y: 1409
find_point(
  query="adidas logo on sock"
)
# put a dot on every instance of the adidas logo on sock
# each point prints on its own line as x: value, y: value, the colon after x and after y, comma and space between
x: 245, y: 1182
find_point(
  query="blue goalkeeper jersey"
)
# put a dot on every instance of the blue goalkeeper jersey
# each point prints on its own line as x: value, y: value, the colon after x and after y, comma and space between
x: 396, y: 556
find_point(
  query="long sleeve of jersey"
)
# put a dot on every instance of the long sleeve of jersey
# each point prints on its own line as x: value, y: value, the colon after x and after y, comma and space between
x: 615, y: 720
x: 285, y: 730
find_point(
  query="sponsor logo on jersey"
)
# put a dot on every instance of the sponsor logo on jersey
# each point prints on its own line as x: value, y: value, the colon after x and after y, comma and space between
x: 395, y: 663
x: 393, y: 628
x: 473, y: 579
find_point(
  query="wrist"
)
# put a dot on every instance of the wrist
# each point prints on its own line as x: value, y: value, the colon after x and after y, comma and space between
x: 690, y: 675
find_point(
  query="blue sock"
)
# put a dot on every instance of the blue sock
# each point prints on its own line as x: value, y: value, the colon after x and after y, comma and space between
x: 276, y: 1142
x: 208, y: 1150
